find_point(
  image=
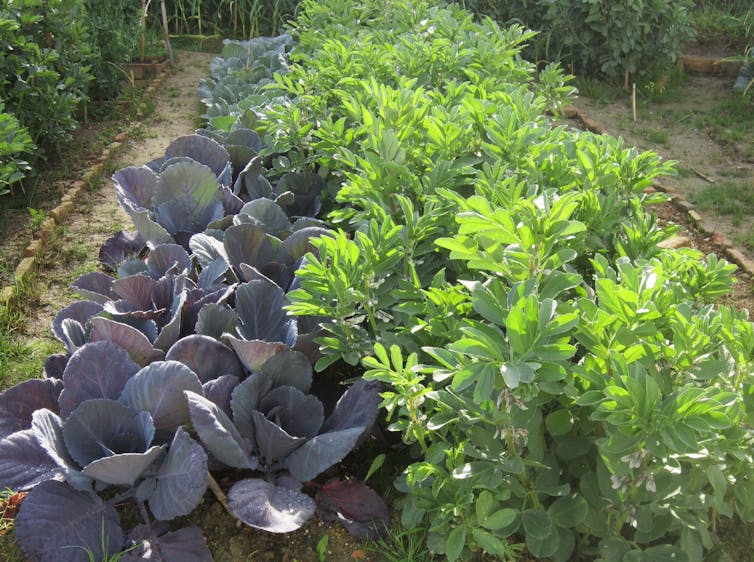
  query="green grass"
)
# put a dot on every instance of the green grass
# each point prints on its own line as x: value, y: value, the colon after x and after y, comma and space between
x: 9, y: 552
x: 199, y: 43
x: 730, y: 198
x: 683, y: 171
x: 21, y: 359
x: 666, y: 88
x: 402, y: 545
x: 598, y: 91
x: 655, y: 136
x: 731, y: 122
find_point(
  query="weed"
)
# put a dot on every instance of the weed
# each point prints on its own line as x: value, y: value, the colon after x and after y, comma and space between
x: 402, y: 545
x: 730, y: 23
x: 408, y: 545
x: 148, y: 107
x: 731, y: 120
x: 655, y: 136
x: 322, y: 548
x: 38, y: 216
x: 21, y: 359
x: 105, y: 547
x: 737, y: 172
x: 683, y: 171
x: 746, y: 239
x: 9, y: 503
x: 663, y: 89
x: 598, y: 91
x: 199, y: 43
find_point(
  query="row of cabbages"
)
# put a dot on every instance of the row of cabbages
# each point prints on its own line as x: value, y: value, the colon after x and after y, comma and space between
x: 182, y: 359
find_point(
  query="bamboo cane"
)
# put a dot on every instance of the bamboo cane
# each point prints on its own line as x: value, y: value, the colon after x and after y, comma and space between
x: 167, y: 33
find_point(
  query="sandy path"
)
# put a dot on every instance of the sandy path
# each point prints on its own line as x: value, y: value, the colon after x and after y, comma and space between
x: 98, y: 216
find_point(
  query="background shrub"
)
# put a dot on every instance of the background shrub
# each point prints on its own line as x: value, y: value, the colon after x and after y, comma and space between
x: 54, y: 57
x: 114, y: 28
x: 605, y: 37
x: 44, y: 58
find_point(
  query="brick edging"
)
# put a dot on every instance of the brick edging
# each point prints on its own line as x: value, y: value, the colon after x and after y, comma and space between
x: 28, y: 264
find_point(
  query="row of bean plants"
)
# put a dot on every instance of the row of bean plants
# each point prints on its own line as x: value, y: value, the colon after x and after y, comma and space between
x: 561, y: 379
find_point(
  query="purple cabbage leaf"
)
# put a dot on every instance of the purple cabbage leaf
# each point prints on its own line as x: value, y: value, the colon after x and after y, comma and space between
x: 355, y: 505
x: 155, y: 544
x: 279, y: 428
x: 56, y: 522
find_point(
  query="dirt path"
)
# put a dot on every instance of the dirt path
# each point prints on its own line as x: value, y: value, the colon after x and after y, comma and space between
x: 97, y: 216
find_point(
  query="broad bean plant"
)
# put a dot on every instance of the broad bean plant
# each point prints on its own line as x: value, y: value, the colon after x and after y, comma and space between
x: 561, y: 380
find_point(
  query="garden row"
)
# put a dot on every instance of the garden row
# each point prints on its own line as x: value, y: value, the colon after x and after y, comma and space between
x: 56, y: 56
x: 562, y: 380
x: 558, y: 379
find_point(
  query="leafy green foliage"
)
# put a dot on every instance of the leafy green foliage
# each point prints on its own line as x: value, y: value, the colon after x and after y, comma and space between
x: 45, y: 58
x: 15, y: 142
x: 244, y: 18
x: 113, y: 28
x: 561, y: 378
x: 54, y: 56
x: 601, y: 36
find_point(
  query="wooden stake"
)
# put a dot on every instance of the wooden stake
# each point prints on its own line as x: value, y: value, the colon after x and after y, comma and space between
x: 633, y: 100
x: 701, y: 175
x: 625, y: 81
x: 167, y: 32
x: 143, y: 25
x: 219, y: 494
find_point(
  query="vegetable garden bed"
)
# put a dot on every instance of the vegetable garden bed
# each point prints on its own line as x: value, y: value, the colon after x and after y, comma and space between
x: 392, y: 200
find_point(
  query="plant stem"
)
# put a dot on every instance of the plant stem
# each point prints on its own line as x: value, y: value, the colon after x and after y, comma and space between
x: 219, y: 494
x: 143, y: 512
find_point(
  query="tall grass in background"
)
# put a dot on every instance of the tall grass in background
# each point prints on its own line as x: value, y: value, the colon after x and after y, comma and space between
x: 229, y: 18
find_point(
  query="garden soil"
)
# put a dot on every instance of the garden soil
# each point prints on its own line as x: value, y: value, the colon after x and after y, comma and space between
x: 98, y: 216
